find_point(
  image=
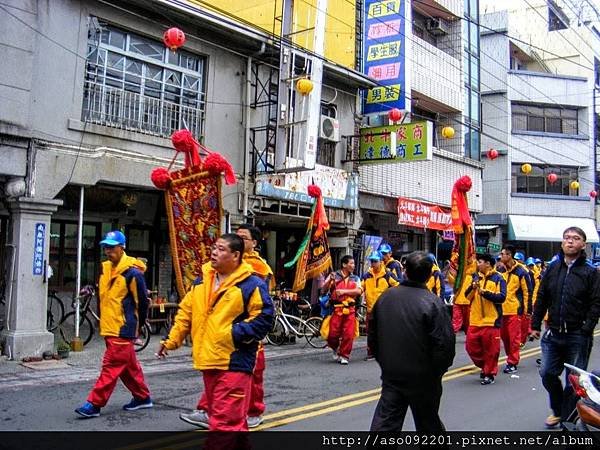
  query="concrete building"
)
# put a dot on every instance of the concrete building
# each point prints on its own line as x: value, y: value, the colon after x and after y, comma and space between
x: 539, y: 77
x: 90, y: 97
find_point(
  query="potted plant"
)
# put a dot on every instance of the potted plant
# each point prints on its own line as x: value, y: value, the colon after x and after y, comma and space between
x: 63, y: 349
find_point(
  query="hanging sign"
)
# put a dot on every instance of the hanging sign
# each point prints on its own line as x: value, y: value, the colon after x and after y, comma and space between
x: 396, y: 143
x: 38, y: 248
x: 423, y: 215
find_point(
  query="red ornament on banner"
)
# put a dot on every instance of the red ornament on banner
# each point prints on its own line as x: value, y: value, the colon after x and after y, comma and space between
x: 552, y: 177
x: 174, y: 38
x: 492, y: 153
x: 394, y: 115
x: 593, y: 194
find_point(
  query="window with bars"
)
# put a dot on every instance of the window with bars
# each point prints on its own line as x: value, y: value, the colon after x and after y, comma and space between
x: 536, y: 182
x: 548, y: 119
x: 136, y: 83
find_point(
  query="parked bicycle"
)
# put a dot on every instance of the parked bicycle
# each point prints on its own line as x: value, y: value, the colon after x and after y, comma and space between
x: 55, y: 311
x: 288, y: 325
x: 86, y: 325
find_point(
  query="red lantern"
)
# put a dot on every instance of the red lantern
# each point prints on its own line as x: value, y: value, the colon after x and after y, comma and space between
x: 593, y: 194
x: 174, y: 38
x: 552, y: 177
x: 492, y: 153
x: 394, y: 115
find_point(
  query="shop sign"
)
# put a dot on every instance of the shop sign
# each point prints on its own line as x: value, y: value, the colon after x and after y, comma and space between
x: 384, y: 54
x: 339, y: 188
x: 448, y: 235
x: 423, y: 215
x: 412, y: 141
x: 493, y: 247
x: 38, y: 248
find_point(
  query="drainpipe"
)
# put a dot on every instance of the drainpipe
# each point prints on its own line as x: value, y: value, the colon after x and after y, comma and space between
x: 77, y: 344
x: 247, y: 161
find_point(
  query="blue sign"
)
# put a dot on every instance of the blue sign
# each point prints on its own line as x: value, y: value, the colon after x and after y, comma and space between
x: 384, y: 55
x: 38, y: 248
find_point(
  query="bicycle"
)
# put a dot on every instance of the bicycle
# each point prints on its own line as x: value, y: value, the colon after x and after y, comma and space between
x: 55, y: 311
x: 86, y: 326
x: 287, y: 325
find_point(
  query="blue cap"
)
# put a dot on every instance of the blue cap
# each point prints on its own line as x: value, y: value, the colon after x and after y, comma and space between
x: 385, y: 248
x: 537, y: 260
x: 498, y: 257
x: 113, y: 238
x: 375, y: 256
x: 431, y: 257
x: 530, y: 261
x: 519, y: 256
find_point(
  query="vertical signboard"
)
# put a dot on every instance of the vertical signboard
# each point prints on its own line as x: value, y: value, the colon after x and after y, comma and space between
x: 38, y: 248
x: 384, y: 55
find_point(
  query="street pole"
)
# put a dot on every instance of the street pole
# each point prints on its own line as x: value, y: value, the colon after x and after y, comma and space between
x: 77, y: 343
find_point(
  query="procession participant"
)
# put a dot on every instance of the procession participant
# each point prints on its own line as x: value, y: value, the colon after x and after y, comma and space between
x: 390, y: 263
x: 435, y: 283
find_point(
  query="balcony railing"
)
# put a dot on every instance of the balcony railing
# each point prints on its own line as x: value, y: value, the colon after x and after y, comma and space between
x: 114, y: 107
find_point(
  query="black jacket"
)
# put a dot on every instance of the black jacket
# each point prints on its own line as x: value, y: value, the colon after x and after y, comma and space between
x: 570, y: 296
x: 410, y: 334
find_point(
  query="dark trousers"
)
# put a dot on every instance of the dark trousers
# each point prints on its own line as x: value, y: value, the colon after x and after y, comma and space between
x: 423, y: 397
x: 559, y: 348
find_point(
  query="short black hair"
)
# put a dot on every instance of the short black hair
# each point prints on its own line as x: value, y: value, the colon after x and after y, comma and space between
x: 487, y: 258
x: 236, y: 243
x: 418, y: 267
x: 254, y: 231
x: 510, y: 248
x: 577, y: 230
x: 346, y: 259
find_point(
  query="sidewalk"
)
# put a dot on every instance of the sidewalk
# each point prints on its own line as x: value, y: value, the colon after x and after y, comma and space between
x: 85, y: 365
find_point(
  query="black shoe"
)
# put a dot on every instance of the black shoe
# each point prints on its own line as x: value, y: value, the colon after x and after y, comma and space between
x: 481, y: 375
x: 487, y: 380
x: 538, y: 362
x: 510, y: 368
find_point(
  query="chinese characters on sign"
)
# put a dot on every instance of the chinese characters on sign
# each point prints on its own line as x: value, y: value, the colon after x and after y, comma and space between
x: 384, y: 53
x: 412, y: 140
x: 38, y: 248
x: 423, y: 215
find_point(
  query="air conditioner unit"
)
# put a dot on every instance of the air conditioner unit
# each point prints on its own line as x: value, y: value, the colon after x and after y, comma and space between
x: 437, y: 27
x: 329, y: 129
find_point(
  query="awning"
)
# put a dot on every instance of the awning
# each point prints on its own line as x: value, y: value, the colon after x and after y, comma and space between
x: 486, y: 227
x: 549, y: 229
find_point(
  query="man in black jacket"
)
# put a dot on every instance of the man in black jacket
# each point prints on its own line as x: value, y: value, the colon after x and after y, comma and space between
x: 570, y: 293
x: 411, y: 336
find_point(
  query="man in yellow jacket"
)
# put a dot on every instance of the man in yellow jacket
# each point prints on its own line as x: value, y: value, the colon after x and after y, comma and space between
x: 435, y: 283
x: 123, y: 307
x: 486, y: 293
x: 374, y: 283
x: 227, y: 314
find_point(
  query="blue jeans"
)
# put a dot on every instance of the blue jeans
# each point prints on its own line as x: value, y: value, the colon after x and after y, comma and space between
x: 559, y: 348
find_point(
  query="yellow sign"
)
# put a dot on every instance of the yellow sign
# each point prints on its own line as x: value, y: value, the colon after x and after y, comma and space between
x: 384, y: 94
x: 383, y: 51
x: 382, y: 9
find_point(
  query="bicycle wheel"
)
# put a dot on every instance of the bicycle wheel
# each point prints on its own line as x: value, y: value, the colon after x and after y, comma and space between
x: 67, y: 328
x: 277, y: 334
x: 313, y: 332
x: 143, y: 339
x: 55, y: 311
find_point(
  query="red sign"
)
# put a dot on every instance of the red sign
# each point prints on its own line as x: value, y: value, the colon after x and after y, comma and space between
x: 423, y: 215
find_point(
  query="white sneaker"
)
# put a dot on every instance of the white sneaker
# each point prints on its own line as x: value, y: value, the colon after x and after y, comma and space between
x: 197, y: 417
x: 335, y: 356
x: 255, y: 421
x: 344, y: 361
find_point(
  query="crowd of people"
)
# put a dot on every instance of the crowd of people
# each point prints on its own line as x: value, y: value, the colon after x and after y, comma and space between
x: 228, y: 313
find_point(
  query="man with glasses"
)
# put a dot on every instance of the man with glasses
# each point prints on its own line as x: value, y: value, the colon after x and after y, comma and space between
x: 570, y: 293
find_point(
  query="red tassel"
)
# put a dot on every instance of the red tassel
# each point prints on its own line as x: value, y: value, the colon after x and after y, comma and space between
x: 216, y: 164
x: 314, y: 191
x: 160, y: 177
x: 184, y: 142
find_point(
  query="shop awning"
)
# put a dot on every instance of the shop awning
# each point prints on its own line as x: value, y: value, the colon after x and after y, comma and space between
x: 550, y: 229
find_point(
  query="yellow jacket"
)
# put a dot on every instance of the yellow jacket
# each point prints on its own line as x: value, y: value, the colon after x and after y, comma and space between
x: 122, y: 297
x: 375, y: 284
x: 536, y: 278
x: 486, y: 304
x: 260, y: 267
x: 226, y: 325
x: 435, y: 283
x: 518, y: 290
x: 459, y: 296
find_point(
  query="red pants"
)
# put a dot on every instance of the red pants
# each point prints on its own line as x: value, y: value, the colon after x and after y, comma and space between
x: 257, y: 391
x: 460, y: 317
x: 119, y: 361
x: 483, y: 346
x: 228, y: 397
x: 341, y: 332
x: 511, y: 338
x: 525, y: 327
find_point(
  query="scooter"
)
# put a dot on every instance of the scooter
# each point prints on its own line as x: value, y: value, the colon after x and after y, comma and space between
x: 586, y: 416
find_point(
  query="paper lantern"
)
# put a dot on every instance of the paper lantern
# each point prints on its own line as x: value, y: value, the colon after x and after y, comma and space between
x: 574, y: 185
x: 552, y: 177
x: 492, y: 153
x: 526, y: 168
x: 448, y: 132
x: 174, y: 38
x: 394, y: 115
x: 304, y: 86
x: 593, y: 194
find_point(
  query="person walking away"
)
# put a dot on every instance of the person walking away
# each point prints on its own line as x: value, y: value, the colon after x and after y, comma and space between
x: 375, y: 282
x: 227, y: 313
x: 435, y: 283
x: 517, y: 297
x: 199, y: 417
x: 345, y: 288
x: 123, y: 302
x: 570, y: 293
x: 411, y: 337
x: 486, y: 293
x: 390, y: 263
x: 461, y: 304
